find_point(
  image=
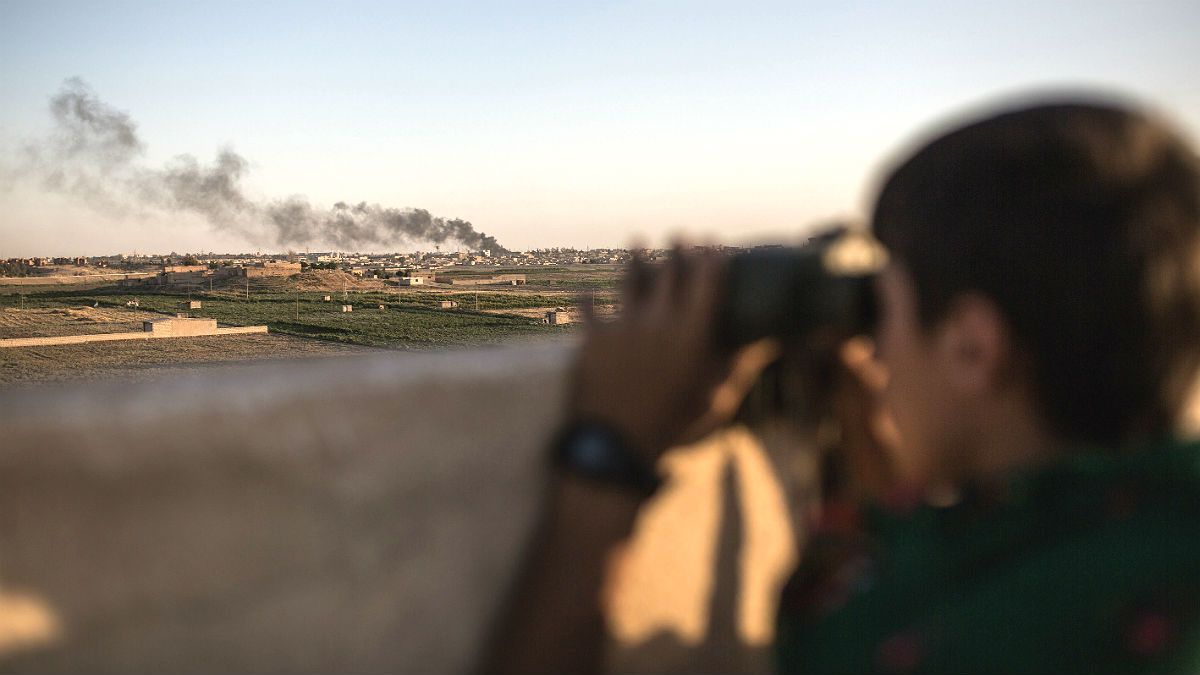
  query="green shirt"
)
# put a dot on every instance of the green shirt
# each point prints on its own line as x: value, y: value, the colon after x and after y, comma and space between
x: 1091, y: 564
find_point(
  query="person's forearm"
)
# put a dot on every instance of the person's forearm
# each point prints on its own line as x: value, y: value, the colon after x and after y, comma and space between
x: 554, y: 622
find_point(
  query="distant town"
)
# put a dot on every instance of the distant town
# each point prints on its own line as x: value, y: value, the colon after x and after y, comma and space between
x: 366, y: 265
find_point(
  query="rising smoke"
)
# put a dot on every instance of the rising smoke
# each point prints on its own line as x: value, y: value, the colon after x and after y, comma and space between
x: 94, y: 155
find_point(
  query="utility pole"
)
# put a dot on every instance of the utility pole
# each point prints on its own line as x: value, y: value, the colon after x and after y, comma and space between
x: 247, y: 289
x: 476, y: 301
x: 296, y: 295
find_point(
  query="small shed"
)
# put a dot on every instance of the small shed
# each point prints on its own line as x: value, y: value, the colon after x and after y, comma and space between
x: 448, y: 304
x: 190, y: 304
x: 557, y: 317
x: 179, y: 326
x: 327, y: 298
x: 347, y: 308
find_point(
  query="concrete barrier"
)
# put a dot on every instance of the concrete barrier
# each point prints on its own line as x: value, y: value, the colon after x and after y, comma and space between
x: 357, y: 514
x: 155, y: 329
x: 75, y: 339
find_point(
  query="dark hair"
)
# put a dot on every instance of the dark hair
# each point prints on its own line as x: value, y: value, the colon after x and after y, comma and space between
x: 1082, y: 224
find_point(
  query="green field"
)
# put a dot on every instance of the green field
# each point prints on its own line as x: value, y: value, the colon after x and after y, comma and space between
x: 409, y: 320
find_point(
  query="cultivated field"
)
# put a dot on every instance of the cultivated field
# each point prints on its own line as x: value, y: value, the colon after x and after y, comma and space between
x: 301, y: 322
x: 82, y: 320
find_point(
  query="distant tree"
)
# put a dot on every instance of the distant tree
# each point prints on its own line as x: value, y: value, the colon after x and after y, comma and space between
x: 14, y: 269
x: 190, y: 259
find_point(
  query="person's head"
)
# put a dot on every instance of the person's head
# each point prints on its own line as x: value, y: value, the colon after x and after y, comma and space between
x: 1046, y: 273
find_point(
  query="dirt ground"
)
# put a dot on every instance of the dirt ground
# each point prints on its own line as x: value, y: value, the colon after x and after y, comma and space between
x: 15, y: 322
x: 321, y: 280
x: 154, y: 359
x: 134, y: 360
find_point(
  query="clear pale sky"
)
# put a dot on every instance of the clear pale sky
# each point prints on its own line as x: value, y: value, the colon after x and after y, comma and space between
x: 557, y: 123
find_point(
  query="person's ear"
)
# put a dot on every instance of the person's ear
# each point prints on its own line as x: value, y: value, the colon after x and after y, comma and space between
x: 974, y: 345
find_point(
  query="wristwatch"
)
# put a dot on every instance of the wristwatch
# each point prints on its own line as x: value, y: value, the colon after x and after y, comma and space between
x: 599, y: 454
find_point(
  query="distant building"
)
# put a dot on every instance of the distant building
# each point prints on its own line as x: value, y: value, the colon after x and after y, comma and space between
x: 271, y: 269
x: 184, y: 268
x: 447, y: 304
x: 557, y: 317
x: 190, y: 304
x: 418, y: 277
x: 347, y: 308
x: 499, y: 279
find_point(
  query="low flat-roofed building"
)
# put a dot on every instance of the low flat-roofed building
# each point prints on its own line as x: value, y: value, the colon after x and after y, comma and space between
x: 176, y: 326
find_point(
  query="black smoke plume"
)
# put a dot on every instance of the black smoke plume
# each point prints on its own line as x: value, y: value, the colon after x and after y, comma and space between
x: 94, y: 155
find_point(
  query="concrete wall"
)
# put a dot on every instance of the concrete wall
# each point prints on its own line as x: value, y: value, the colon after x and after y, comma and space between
x: 272, y: 270
x: 160, y: 328
x: 197, y: 278
x: 241, y: 330
x: 501, y: 279
x: 314, y: 517
x: 73, y: 339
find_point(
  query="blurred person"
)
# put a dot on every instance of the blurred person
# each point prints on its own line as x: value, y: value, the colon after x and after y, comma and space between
x: 1025, y: 501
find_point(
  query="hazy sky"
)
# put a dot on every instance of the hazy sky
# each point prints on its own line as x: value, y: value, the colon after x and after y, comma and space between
x: 555, y: 123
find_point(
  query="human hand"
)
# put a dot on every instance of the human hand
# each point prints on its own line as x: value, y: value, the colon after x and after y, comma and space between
x: 655, y: 374
x: 871, y: 450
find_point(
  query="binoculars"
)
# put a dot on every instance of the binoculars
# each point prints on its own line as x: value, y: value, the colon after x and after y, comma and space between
x: 820, y: 292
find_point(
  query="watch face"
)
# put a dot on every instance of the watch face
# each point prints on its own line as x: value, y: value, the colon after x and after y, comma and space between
x: 592, y: 452
x: 595, y: 452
